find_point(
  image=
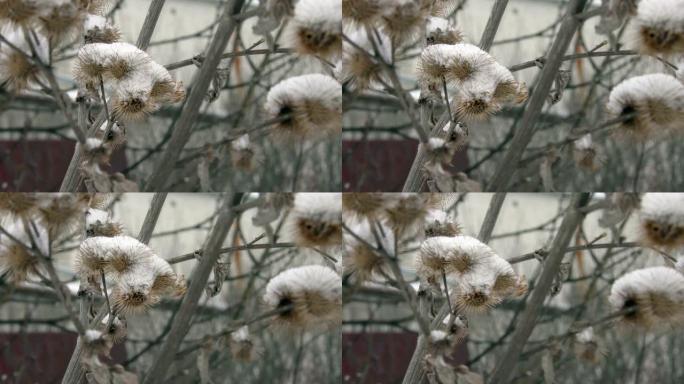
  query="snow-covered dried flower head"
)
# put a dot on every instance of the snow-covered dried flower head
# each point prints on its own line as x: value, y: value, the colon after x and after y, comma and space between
x: 17, y: 69
x: 647, y: 104
x: 17, y: 262
x: 305, y: 296
x: 98, y: 223
x: 241, y: 345
x: 438, y: 31
x: 18, y: 204
x: 98, y: 30
x: 132, y: 100
x: 316, y: 219
x: 662, y: 219
x: 363, y: 255
x: 362, y: 204
x: 62, y: 212
x: 360, y: 68
x: 476, y: 102
x: 585, y: 154
x: 405, y: 211
x: 115, y: 331
x: 660, y: 26
x: 115, y: 61
x: 474, y: 293
x: 362, y: 11
x: 450, y: 255
x: 164, y: 87
x: 242, y: 153
x: 588, y: 347
x: 318, y: 28
x: 402, y: 20
x: 61, y: 20
x: 305, y: 106
x: 166, y: 281
x: 19, y: 12
x: 133, y: 292
x: 439, y: 151
x: 458, y: 62
x: 649, y: 297
x: 118, y: 255
x: 440, y: 223
x: 96, y: 343
x: 506, y: 87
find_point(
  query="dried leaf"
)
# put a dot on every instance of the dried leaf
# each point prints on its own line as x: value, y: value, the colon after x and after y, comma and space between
x: 561, y: 82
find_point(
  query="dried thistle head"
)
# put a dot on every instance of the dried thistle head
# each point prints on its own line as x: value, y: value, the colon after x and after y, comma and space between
x: 362, y: 204
x: 438, y: 31
x: 650, y: 297
x: 19, y: 12
x: 476, y: 105
x: 316, y: 219
x: 404, y: 211
x: 62, y: 213
x: 363, y: 12
x: 475, y: 299
x: 307, y: 106
x: 61, y: 21
x: 17, y: 70
x: 360, y: 69
x: 662, y: 220
x: 402, y: 20
x: 305, y: 297
x: 17, y: 263
x: 659, y: 27
x: 242, y: 347
x: 647, y: 105
x: 18, y: 204
x: 318, y: 28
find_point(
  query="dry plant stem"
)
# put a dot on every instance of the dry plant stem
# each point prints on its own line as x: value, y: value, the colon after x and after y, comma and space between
x: 152, y: 216
x: 71, y: 179
x: 104, y: 99
x: 181, y: 322
x: 415, y: 179
x: 415, y: 373
x: 573, y: 217
x: 523, y: 135
x: 184, y: 125
x: 106, y: 295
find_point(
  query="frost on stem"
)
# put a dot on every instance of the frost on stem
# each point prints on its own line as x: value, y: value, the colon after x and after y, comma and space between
x: 316, y: 220
x: 317, y: 28
x: 648, y: 105
x: 662, y: 220
x: 306, y: 297
x: 304, y: 107
x: 660, y: 25
x: 650, y: 298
